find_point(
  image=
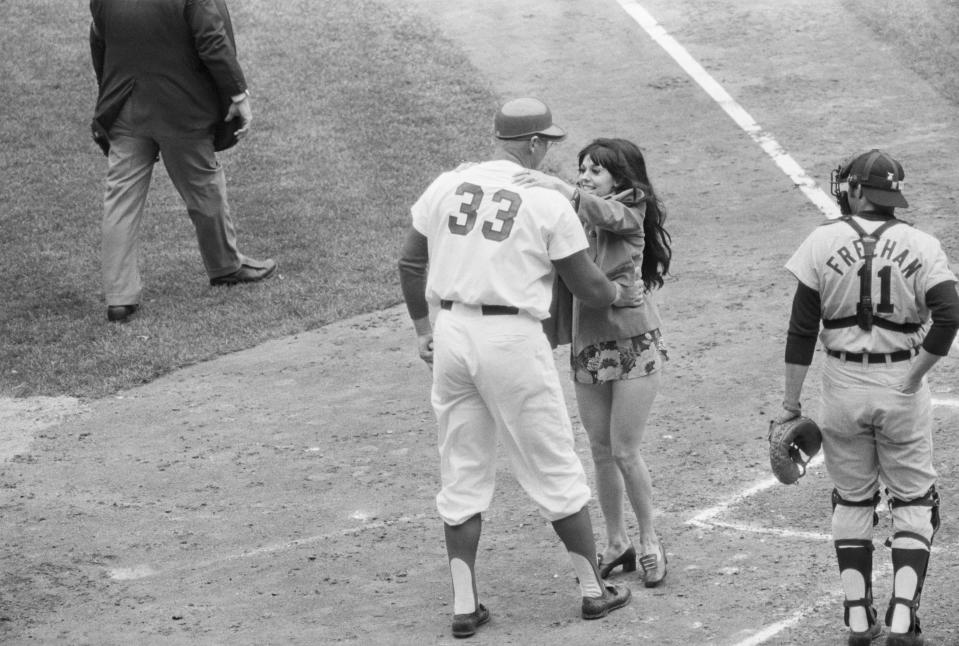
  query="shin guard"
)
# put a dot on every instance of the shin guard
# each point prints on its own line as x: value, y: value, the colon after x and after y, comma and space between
x: 855, y: 558
x: 909, y: 573
x: 916, y: 522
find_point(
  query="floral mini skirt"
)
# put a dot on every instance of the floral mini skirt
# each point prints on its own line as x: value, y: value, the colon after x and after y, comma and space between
x: 615, y: 360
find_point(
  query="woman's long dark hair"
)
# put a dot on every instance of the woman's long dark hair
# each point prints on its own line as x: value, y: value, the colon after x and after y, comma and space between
x: 625, y: 162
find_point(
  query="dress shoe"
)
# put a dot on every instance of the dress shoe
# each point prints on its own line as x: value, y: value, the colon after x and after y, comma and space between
x: 250, y: 271
x: 654, y: 567
x: 627, y: 559
x: 615, y: 596
x: 465, y: 625
x: 121, y: 313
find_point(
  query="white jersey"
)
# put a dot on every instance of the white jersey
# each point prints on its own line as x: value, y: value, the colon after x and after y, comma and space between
x: 492, y: 242
x: 907, y: 263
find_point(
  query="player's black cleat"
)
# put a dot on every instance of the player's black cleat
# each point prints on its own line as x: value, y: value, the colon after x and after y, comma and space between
x: 465, y: 625
x: 866, y: 637
x: 615, y: 596
x: 905, y: 639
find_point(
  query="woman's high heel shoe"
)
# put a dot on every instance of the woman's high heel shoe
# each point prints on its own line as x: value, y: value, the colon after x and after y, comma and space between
x: 654, y: 567
x: 627, y: 559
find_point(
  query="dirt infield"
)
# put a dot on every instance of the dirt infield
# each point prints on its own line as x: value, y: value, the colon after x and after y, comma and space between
x: 284, y: 495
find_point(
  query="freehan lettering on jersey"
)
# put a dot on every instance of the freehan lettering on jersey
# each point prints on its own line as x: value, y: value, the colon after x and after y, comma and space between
x: 852, y: 254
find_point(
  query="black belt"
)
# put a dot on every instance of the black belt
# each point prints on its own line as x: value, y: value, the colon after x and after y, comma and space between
x: 488, y: 310
x: 892, y: 357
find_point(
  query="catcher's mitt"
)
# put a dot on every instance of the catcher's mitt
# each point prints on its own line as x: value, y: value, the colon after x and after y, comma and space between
x: 788, y: 442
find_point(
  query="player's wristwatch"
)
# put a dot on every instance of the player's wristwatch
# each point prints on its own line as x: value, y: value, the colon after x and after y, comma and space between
x: 242, y: 96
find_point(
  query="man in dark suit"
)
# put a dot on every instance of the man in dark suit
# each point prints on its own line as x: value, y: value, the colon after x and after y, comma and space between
x: 170, y: 87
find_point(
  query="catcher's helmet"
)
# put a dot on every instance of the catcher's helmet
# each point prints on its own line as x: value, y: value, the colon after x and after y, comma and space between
x: 879, y: 175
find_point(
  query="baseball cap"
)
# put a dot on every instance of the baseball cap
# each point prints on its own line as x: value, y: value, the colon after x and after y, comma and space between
x: 880, y: 177
x: 521, y: 118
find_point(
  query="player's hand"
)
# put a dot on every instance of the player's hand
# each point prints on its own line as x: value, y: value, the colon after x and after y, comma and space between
x: 529, y: 177
x: 424, y: 343
x: 910, y: 386
x: 631, y: 295
x: 787, y: 414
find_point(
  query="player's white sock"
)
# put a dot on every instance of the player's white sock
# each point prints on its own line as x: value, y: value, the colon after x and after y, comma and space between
x: 589, y: 584
x: 464, y: 600
x: 855, y: 588
x: 904, y: 585
x: 855, y: 567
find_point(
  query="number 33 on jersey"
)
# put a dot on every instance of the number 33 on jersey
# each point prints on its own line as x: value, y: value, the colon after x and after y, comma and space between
x: 495, y: 245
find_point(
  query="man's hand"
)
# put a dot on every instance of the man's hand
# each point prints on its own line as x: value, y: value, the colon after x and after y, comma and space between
x: 915, y: 378
x: 531, y: 177
x: 632, y: 296
x: 242, y: 110
x: 910, y: 386
x: 788, y: 414
x: 424, y: 339
x: 424, y: 343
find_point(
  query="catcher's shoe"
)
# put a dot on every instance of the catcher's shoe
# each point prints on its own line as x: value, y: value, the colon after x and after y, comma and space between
x: 911, y: 638
x: 866, y: 637
x: 615, y: 596
x: 654, y: 567
x: 465, y: 625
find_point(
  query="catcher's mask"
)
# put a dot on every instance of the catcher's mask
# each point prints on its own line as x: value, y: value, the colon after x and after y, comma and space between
x: 879, y: 175
x: 839, y: 185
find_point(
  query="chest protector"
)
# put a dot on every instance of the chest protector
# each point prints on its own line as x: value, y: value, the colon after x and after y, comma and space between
x: 865, y: 317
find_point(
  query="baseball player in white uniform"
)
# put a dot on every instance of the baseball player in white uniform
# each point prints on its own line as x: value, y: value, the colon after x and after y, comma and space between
x: 482, y: 252
x: 889, y: 309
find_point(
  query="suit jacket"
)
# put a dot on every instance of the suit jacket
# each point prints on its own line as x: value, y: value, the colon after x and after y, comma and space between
x: 614, y: 228
x: 174, y: 59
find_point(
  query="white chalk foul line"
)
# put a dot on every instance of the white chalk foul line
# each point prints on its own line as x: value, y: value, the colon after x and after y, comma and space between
x: 742, y: 118
x: 143, y: 571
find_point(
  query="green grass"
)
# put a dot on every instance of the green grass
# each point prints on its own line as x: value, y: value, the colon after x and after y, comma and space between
x: 924, y: 34
x: 357, y: 106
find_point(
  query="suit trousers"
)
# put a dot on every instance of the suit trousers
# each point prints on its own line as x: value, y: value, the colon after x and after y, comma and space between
x: 195, y: 172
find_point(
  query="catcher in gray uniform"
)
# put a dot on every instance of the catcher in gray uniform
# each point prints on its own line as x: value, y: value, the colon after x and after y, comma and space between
x: 887, y: 301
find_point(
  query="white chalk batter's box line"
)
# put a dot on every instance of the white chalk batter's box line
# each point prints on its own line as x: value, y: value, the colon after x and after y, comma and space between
x: 710, y: 517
